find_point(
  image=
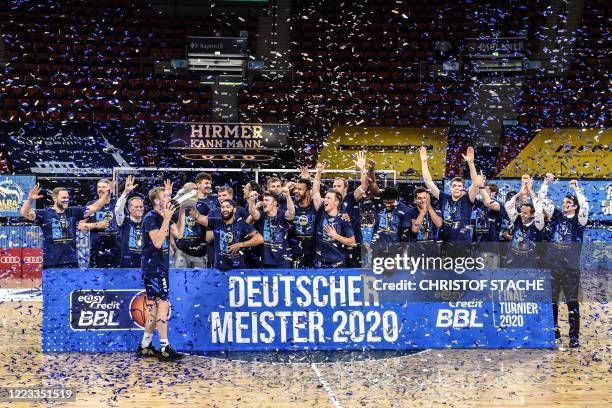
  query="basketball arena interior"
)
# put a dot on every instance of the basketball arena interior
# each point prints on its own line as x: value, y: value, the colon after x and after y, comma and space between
x: 305, y: 203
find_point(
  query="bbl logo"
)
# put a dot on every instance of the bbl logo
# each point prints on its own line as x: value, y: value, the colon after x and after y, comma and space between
x: 119, y: 309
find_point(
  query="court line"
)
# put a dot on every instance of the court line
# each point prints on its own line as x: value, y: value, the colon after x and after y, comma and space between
x: 332, y: 397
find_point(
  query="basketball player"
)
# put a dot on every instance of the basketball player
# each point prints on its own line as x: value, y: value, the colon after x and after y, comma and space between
x: 457, y: 206
x: 105, y: 248
x: 563, y: 255
x: 232, y: 234
x: 273, y: 224
x: 59, y: 225
x: 425, y: 219
x: 526, y: 230
x: 349, y: 204
x: 392, y: 222
x: 130, y: 228
x: 303, y: 235
x: 334, y: 234
x: 157, y: 227
x: 204, y: 186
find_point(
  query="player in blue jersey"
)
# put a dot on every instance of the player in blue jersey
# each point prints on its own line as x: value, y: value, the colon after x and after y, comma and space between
x: 130, y: 227
x: 527, y: 227
x: 566, y: 232
x: 302, y: 236
x: 335, y: 235
x: 392, y: 223
x: 426, y: 220
x: 349, y: 204
x: 104, y: 242
x: 232, y: 235
x: 155, y: 265
x: 273, y: 224
x: 59, y: 225
x: 456, y: 207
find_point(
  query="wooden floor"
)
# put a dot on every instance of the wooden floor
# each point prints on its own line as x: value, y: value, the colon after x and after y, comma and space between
x: 448, y: 378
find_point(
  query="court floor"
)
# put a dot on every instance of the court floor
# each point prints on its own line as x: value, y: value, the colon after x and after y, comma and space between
x: 431, y: 378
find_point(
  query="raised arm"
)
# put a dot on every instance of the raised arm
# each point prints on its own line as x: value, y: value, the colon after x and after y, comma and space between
x: 542, y: 193
x: 177, y: 230
x: 363, y: 176
x: 253, y: 209
x: 583, y: 214
x: 511, y: 206
x: 372, y: 183
x: 435, y: 191
x: 26, y: 210
x: 286, y: 191
x: 539, y: 214
x: 476, y: 180
x: 316, y: 186
x: 198, y: 217
x: 120, y: 206
x: 98, y: 204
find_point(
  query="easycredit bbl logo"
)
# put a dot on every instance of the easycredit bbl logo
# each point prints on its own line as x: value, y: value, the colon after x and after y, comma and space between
x: 119, y: 309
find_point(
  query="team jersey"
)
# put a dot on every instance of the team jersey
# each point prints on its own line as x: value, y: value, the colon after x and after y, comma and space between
x: 59, y: 233
x: 456, y: 216
x: 225, y: 236
x: 391, y: 226
x: 154, y: 260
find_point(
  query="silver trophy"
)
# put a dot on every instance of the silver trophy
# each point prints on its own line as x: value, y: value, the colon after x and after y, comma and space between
x: 186, y: 197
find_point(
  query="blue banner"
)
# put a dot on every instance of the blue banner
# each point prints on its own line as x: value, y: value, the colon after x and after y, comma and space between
x: 13, y: 192
x: 103, y: 310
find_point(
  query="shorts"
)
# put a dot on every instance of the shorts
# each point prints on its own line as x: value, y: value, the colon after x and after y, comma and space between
x: 156, y: 285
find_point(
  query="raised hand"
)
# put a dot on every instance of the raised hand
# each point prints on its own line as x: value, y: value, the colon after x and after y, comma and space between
x: 573, y: 184
x: 320, y: 167
x: 304, y: 173
x: 469, y: 155
x: 481, y: 179
x: 168, y: 186
x: 549, y: 177
x: 360, y: 163
x: 371, y: 164
x: 129, y: 185
x: 34, y: 193
x: 285, y: 190
x: 253, y: 196
x: 423, y: 153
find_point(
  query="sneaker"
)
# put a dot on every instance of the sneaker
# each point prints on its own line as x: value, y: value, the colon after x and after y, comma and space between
x: 574, y: 343
x: 148, y: 351
x: 168, y: 354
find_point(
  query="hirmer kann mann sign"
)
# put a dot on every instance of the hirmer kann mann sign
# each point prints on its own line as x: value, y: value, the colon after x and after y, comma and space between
x: 228, y: 136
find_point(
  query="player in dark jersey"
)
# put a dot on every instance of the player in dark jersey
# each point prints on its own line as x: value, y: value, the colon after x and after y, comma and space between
x: 273, y: 224
x: 563, y: 255
x: 104, y: 244
x: 334, y: 234
x: 59, y: 225
x: 457, y: 206
x: 157, y: 228
x: 232, y: 234
x: 203, y: 183
x: 302, y: 237
x: 425, y: 219
x: 392, y: 223
x: 130, y: 227
x: 349, y: 204
x: 527, y: 227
